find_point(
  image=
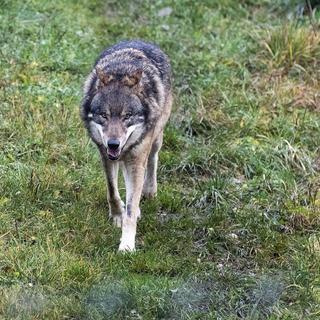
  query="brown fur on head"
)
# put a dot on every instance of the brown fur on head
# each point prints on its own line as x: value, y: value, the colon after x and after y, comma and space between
x: 131, y: 80
x: 104, y: 78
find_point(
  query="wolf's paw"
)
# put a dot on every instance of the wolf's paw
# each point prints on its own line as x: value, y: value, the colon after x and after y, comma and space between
x: 149, y: 192
x: 117, y: 220
x: 149, y: 195
x: 127, y: 242
x: 126, y: 246
x: 115, y: 213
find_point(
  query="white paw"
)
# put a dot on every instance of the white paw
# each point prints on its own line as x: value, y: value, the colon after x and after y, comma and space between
x: 117, y: 221
x: 128, y: 237
x: 115, y: 213
x: 126, y: 246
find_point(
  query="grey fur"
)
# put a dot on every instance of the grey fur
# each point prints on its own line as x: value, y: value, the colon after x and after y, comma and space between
x: 127, y: 98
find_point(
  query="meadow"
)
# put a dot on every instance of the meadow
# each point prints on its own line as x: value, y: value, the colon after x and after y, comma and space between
x: 234, y: 232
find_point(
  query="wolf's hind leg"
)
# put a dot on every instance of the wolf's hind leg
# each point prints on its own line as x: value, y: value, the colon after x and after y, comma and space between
x: 150, y: 180
x: 116, y: 206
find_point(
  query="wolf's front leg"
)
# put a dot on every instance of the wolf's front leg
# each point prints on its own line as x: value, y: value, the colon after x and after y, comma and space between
x: 116, y: 206
x: 134, y: 177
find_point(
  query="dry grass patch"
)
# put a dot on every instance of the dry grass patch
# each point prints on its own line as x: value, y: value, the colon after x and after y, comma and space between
x: 283, y: 90
x: 290, y: 45
x: 290, y: 59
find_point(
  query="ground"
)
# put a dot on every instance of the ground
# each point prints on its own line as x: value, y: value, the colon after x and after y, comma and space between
x: 234, y: 231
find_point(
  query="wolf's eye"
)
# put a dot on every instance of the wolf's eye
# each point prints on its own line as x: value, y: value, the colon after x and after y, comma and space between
x: 104, y: 115
x: 127, y: 116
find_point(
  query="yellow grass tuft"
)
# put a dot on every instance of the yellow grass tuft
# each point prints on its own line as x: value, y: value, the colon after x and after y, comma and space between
x: 291, y: 45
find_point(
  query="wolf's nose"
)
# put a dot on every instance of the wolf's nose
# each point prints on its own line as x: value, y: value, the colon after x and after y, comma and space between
x: 113, y: 144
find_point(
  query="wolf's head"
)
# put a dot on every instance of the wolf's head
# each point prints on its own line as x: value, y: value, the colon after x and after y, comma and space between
x: 117, y: 116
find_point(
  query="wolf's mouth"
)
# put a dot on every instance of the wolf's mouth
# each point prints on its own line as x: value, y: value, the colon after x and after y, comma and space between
x: 113, y: 154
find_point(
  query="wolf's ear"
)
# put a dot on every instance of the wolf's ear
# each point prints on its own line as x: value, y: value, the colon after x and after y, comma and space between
x: 133, y: 79
x: 104, y: 78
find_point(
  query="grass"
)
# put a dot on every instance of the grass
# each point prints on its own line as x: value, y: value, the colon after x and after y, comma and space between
x: 234, y: 231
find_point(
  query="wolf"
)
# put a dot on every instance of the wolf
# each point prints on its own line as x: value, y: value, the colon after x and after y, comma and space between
x: 126, y: 104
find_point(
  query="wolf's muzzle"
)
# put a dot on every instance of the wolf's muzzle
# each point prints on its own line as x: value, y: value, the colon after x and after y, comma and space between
x: 113, y: 149
x: 113, y: 144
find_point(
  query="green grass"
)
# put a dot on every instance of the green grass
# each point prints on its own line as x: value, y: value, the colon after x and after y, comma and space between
x: 234, y: 231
